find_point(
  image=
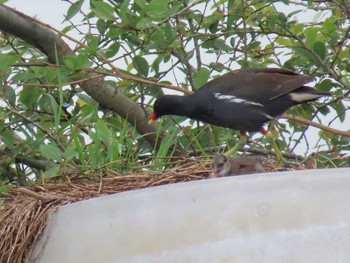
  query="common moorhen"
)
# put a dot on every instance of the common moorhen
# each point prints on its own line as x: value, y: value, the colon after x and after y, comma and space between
x: 225, y: 166
x: 242, y: 99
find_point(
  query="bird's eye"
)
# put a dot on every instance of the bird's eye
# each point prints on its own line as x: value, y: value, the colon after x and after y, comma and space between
x: 220, y: 165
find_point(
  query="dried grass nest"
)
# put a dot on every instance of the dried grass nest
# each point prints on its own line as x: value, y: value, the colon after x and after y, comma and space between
x: 24, y: 211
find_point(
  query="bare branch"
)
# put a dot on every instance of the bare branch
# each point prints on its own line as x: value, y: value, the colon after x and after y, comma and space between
x: 317, y: 125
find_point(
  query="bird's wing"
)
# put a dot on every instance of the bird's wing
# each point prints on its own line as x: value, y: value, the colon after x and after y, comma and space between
x: 256, y: 85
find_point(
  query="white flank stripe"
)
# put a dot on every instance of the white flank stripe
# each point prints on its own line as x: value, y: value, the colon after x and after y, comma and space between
x: 300, y: 97
x: 234, y: 99
x: 269, y: 116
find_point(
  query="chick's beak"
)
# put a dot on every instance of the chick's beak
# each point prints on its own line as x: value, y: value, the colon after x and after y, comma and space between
x: 152, y: 118
x: 215, y: 172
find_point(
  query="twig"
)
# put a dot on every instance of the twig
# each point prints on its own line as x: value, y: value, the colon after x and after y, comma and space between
x: 43, y: 197
x: 317, y: 125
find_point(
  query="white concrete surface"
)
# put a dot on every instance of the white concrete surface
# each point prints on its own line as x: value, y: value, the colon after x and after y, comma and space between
x: 299, y: 216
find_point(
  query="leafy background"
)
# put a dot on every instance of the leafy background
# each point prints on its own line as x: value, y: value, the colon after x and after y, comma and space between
x: 48, y: 124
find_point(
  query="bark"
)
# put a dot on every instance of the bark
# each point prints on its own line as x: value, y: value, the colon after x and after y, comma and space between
x: 49, y: 43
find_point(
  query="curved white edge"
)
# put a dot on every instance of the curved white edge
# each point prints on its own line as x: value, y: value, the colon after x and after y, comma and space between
x: 294, y: 216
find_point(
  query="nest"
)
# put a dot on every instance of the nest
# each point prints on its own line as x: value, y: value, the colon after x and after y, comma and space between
x: 24, y: 212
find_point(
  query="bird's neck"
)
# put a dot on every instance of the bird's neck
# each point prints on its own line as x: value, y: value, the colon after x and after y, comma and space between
x: 178, y: 105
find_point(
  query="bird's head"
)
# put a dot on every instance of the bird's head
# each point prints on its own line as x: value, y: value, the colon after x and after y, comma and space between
x: 166, y: 105
x: 155, y: 114
x: 220, y: 165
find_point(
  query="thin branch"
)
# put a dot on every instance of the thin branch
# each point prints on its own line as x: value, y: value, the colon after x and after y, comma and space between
x: 317, y: 125
x: 35, y: 163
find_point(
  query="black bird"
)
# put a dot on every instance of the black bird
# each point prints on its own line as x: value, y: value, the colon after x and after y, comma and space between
x: 242, y: 100
x: 226, y: 166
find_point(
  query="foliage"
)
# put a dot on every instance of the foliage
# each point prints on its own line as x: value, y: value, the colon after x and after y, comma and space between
x: 45, y: 115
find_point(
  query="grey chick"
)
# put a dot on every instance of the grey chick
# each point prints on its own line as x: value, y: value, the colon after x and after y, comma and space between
x: 224, y: 166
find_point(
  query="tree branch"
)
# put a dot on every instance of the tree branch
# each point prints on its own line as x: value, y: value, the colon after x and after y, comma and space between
x: 35, y: 163
x: 41, y: 37
x: 317, y: 125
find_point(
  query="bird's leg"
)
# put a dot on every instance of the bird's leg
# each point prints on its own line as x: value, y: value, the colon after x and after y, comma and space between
x: 241, y: 142
x: 272, y: 140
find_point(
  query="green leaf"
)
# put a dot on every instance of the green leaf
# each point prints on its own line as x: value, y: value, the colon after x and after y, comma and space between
x: 112, y: 50
x: 6, y: 61
x: 329, y: 26
x: 78, y: 146
x: 82, y: 61
x: 232, y: 42
x: 325, y: 85
x: 174, y: 9
x: 144, y: 23
x: 52, y: 171
x: 254, y: 45
x: 217, y: 66
x: 340, y: 109
x: 153, y: 91
x: 124, y: 9
x: 304, y: 54
x: 213, y: 27
x: 141, y: 3
x: 55, y: 108
x: 29, y: 96
x: 141, y: 65
x: 311, y: 34
x: 221, y: 45
x: 157, y: 8
x: 92, y: 42
x: 50, y: 152
x: 69, y: 153
x: 134, y: 40
x: 69, y: 62
x: 166, y: 58
x: 102, y: 26
x: 10, y: 95
x: 201, y: 78
x: 324, y: 110
x: 102, y: 10
x: 24, y: 76
x: 320, y: 49
x: 169, y: 33
x: 294, y: 12
x: 7, y: 137
x: 87, y: 100
x: 74, y: 9
x: 114, y: 33
x: 284, y: 41
x: 103, y: 132
x: 299, y: 28
x: 67, y: 29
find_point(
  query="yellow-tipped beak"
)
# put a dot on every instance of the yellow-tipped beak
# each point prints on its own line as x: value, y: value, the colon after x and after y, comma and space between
x: 152, y: 118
